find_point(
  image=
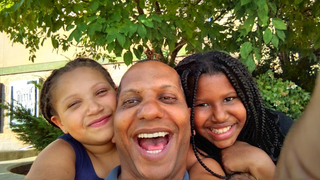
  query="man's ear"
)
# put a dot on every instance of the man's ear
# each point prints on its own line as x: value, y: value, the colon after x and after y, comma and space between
x: 56, y: 120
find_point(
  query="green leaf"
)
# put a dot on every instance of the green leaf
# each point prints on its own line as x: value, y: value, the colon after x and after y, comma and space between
x: 137, y: 53
x: 249, y: 62
x: 317, y: 43
x: 244, y: 2
x: 116, y: 16
x: 142, y: 31
x: 248, y: 24
x: 260, y: 3
x: 94, y: 6
x: 281, y: 35
x: 273, y: 6
x: 140, y: 48
x: 16, y: 6
x: 275, y: 41
x: 257, y: 54
x: 245, y: 49
x: 279, y: 24
x: 92, y: 18
x: 82, y: 27
x: 127, y: 58
x: 76, y: 34
x: 267, y: 36
x: 121, y: 39
x: 297, y: 1
x: 54, y: 42
x: 69, y: 27
x: 147, y: 22
x: 263, y: 16
x: 92, y: 28
x: 112, y: 35
x: 110, y: 47
x: 117, y: 49
x: 77, y: 7
x: 132, y: 29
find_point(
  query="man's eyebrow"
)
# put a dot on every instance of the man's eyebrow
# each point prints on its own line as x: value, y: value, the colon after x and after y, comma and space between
x: 168, y: 86
x: 128, y: 91
x: 136, y: 91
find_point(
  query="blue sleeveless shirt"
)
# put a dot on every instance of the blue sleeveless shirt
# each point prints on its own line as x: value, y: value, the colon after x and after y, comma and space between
x: 84, y: 167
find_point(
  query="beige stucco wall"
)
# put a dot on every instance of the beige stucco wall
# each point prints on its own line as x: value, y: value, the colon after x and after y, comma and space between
x: 15, y: 55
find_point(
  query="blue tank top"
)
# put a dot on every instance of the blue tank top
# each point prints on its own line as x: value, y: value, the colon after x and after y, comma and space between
x: 84, y: 167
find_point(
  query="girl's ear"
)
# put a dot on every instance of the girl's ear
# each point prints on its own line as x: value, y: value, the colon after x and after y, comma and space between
x: 56, y: 120
x: 113, y: 139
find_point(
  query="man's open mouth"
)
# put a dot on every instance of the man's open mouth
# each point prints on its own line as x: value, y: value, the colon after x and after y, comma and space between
x: 153, y: 143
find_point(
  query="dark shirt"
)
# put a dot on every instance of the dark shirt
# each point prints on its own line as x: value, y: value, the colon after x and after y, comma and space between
x: 84, y: 167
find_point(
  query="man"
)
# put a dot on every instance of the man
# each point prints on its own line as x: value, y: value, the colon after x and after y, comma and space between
x: 151, y: 124
x: 299, y: 158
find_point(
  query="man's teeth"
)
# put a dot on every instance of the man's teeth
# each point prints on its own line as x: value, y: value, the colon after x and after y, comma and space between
x: 152, y: 135
x: 220, y: 131
x: 154, y: 152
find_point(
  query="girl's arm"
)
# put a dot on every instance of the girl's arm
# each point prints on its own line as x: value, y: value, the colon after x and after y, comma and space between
x: 197, y: 172
x: 56, y: 161
x: 243, y: 157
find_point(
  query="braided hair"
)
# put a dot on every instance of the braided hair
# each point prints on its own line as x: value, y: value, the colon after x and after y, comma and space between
x: 258, y: 130
x: 46, y: 95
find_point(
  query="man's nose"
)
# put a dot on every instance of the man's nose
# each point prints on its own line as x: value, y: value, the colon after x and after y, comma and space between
x: 150, y: 110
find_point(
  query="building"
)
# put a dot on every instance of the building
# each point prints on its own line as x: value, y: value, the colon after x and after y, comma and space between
x: 17, y: 74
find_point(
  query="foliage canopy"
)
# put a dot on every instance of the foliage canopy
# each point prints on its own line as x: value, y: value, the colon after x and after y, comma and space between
x: 260, y: 30
x: 244, y: 26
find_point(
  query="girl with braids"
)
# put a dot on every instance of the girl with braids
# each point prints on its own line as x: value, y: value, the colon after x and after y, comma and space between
x: 80, y: 99
x: 228, y: 119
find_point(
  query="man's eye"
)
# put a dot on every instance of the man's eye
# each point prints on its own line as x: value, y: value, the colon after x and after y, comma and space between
x: 168, y: 99
x: 130, y: 101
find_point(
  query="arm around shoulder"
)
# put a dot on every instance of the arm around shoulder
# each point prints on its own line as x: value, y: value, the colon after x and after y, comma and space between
x: 56, y: 161
x: 197, y: 172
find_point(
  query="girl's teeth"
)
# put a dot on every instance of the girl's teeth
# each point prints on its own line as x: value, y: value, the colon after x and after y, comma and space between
x: 220, y: 131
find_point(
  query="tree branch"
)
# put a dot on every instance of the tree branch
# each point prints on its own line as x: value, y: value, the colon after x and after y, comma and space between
x: 174, y: 53
x: 140, y: 10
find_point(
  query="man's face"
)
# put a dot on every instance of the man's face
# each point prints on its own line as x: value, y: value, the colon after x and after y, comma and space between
x: 152, y: 124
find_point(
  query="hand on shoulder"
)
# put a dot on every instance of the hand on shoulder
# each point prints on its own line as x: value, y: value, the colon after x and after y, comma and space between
x: 245, y: 158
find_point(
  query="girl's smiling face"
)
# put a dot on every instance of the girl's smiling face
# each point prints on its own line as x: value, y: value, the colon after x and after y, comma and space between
x: 85, y: 103
x: 219, y: 113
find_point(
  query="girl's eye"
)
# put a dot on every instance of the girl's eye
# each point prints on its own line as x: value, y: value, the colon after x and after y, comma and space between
x: 73, y: 104
x: 228, y: 99
x: 202, y: 105
x: 102, y: 91
x: 168, y: 99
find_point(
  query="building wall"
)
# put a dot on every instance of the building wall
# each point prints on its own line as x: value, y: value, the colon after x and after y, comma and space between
x: 14, y: 66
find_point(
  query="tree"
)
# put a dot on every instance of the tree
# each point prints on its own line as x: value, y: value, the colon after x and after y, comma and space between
x: 260, y: 30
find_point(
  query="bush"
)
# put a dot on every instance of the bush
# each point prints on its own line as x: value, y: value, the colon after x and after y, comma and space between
x: 284, y: 96
x: 30, y: 129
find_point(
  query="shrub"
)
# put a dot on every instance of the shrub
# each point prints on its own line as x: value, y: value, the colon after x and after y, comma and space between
x: 284, y: 96
x: 31, y: 129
